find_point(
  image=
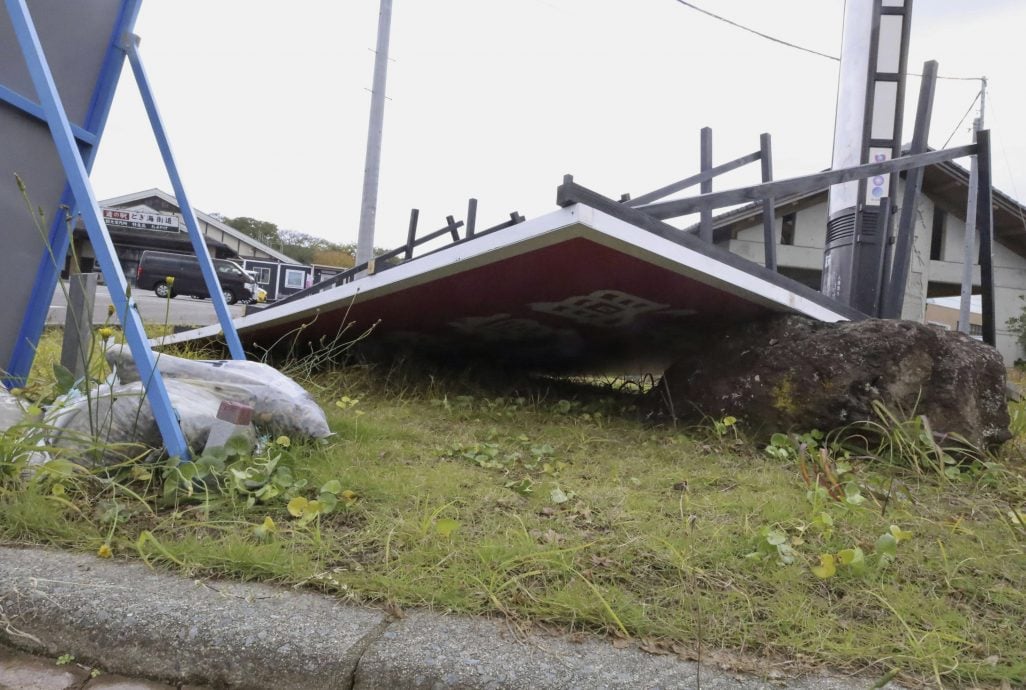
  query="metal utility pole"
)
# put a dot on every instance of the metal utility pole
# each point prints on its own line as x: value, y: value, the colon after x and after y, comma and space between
x: 372, y: 166
x: 970, y: 223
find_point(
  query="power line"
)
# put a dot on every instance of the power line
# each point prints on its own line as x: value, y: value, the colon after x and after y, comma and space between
x: 955, y: 131
x: 794, y: 45
x: 759, y: 33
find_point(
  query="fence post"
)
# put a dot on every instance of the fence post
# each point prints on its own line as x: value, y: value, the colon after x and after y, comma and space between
x: 78, y: 324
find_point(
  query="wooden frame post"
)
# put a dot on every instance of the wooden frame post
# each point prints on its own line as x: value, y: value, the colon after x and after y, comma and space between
x: 985, y: 228
x: 894, y: 296
x: 706, y: 228
x: 768, y: 219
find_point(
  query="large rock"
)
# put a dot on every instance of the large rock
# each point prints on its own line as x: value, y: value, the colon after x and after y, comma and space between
x: 794, y: 373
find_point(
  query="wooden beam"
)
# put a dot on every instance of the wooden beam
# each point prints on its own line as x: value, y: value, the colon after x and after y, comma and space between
x: 800, y: 185
x: 894, y: 294
x: 692, y: 181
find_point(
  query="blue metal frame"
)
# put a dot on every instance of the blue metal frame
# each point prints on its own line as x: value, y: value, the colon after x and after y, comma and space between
x: 13, y: 98
x: 130, y: 44
x: 85, y: 201
x: 59, y: 239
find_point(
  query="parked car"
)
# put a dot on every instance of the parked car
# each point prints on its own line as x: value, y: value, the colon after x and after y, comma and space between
x: 155, y: 268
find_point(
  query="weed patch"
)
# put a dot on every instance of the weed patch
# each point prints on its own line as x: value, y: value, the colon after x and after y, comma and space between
x: 557, y: 504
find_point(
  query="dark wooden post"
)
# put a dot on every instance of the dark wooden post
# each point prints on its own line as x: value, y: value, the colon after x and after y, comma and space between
x: 706, y: 228
x: 768, y: 238
x: 985, y: 228
x: 883, y: 233
x: 895, y: 294
x: 411, y: 234
x: 78, y: 324
x: 471, y: 217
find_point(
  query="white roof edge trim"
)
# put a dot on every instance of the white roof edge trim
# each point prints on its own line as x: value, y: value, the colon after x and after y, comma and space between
x: 716, y: 272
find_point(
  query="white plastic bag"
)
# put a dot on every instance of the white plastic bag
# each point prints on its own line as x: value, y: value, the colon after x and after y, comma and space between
x: 280, y: 405
x: 11, y: 411
x: 116, y: 423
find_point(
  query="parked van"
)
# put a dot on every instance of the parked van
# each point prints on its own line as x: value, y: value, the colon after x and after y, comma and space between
x: 156, y: 267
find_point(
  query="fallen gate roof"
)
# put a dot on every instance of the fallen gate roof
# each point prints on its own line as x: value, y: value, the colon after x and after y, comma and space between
x: 574, y: 290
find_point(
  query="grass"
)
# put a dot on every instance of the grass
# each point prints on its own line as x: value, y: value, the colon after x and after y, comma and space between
x: 558, y: 505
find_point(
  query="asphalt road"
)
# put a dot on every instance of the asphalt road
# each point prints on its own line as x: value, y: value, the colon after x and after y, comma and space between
x: 179, y: 311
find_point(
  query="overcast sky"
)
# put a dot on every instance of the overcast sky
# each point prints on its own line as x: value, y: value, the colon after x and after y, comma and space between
x: 266, y: 102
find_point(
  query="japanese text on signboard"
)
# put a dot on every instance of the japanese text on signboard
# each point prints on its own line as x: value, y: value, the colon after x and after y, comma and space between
x: 140, y: 220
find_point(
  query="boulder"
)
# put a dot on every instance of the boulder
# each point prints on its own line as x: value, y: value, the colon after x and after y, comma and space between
x: 793, y: 373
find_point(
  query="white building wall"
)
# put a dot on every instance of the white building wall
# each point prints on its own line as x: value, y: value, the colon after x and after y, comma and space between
x: 807, y: 253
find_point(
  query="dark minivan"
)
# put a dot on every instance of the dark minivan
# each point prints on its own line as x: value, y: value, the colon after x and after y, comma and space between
x: 155, y: 267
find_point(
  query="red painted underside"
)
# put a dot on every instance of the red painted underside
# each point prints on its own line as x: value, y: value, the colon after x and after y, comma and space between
x: 573, y: 305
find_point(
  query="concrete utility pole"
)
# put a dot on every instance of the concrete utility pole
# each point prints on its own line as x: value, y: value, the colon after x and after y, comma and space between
x: 970, y: 223
x: 371, y: 169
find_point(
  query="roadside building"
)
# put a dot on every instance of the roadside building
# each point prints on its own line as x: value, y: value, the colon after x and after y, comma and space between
x: 936, y: 268
x: 151, y: 220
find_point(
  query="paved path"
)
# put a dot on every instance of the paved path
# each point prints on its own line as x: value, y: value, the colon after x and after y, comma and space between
x: 126, y: 618
x: 180, y: 311
x: 20, y: 671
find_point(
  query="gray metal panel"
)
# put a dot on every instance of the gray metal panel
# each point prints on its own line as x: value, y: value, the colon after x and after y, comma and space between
x: 27, y: 150
x: 75, y: 36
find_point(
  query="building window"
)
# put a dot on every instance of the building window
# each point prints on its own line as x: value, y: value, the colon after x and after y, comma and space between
x: 294, y: 278
x: 787, y: 224
x: 263, y: 274
x: 937, y: 236
x: 976, y: 329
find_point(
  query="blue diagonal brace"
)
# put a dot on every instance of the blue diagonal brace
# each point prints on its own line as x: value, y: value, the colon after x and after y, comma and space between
x: 16, y: 100
x: 85, y: 201
x: 130, y: 44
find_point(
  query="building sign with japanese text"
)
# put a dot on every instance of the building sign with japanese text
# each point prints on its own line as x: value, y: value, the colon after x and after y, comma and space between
x: 140, y: 219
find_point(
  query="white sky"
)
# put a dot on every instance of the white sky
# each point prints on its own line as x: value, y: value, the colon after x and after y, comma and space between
x: 266, y: 102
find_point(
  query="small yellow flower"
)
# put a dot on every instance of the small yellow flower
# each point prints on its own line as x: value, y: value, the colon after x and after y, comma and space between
x: 104, y: 551
x: 170, y: 280
x: 105, y: 332
x: 283, y: 441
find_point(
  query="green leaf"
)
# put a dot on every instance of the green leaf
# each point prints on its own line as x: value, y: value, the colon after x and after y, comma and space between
x: 827, y: 567
x: 328, y: 502
x: 853, y: 558
x: 780, y: 440
x: 899, y: 534
x: 775, y: 537
x: 887, y: 545
x: 558, y: 496
x: 297, y: 506
x: 823, y: 522
x: 446, y: 526
x: 64, y: 378
x: 852, y: 494
x: 786, y: 554
x: 332, y: 487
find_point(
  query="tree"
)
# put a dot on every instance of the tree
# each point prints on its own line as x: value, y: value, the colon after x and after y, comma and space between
x: 333, y: 257
x: 260, y: 230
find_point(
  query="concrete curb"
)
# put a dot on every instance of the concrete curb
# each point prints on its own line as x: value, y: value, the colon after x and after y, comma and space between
x: 135, y: 621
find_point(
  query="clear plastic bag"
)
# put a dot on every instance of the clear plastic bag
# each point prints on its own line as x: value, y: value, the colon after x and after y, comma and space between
x: 280, y: 405
x: 116, y: 423
x: 11, y: 410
